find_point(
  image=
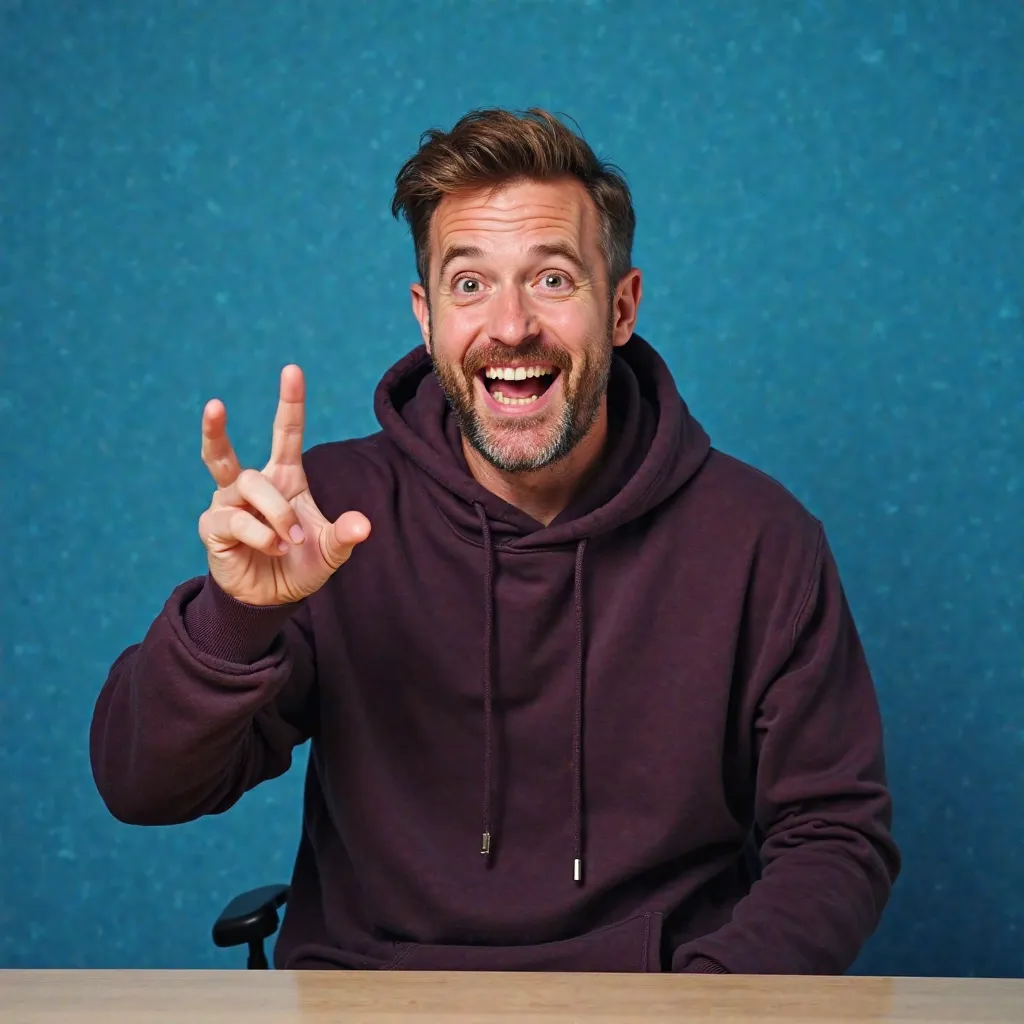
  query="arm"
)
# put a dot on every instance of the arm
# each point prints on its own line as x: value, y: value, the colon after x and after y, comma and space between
x: 211, y: 703
x: 821, y: 803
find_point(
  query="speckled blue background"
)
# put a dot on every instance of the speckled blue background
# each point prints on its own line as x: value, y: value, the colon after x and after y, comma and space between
x: 831, y: 220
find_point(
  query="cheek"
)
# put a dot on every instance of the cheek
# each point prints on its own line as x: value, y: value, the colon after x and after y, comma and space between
x: 452, y: 334
x: 569, y: 319
x: 577, y: 328
x: 446, y: 349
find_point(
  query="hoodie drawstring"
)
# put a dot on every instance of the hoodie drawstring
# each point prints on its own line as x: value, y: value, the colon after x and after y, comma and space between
x: 488, y: 685
x: 577, y: 732
x: 488, y: 688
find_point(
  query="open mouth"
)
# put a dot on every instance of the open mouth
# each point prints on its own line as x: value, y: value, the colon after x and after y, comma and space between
x: 518, y: 388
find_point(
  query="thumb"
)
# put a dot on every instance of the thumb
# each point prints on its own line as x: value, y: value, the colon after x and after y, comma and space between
x: 341, y: 536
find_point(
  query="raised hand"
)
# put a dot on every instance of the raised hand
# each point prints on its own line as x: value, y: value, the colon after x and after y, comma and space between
x: 267, y: 542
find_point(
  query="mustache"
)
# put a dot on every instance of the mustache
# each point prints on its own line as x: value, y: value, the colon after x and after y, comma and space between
x: 506, y: 355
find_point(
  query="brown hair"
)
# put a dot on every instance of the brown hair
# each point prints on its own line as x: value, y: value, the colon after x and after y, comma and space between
x: 493, y: 147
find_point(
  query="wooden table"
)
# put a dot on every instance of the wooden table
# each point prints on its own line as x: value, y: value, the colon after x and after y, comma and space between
x: 234, y: 997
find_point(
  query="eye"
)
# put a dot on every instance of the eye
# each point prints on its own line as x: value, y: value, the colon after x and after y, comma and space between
x: 472, y: 286
x: 555, y: 281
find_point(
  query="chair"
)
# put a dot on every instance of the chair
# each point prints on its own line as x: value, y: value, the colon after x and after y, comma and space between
x: 250, y: 918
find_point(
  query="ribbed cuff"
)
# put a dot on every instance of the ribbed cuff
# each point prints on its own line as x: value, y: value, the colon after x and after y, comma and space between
x: 704, y: 965
x: 232, y: 631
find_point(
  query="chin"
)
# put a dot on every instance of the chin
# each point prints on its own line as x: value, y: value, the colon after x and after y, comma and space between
x: 518, y: 453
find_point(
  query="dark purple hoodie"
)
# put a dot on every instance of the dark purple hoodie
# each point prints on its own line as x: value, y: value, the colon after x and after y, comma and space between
x: 608, y: 705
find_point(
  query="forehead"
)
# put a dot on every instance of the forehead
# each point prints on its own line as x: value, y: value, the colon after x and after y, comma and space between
x: 515, y: 215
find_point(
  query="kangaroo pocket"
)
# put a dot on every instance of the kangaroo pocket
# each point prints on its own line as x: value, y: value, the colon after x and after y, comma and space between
x: 632, y: 945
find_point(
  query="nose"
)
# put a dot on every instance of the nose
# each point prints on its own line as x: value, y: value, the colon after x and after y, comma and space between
x: 511, y: 321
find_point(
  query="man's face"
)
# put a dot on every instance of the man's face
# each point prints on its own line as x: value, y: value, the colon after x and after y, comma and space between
x: 520, y: 322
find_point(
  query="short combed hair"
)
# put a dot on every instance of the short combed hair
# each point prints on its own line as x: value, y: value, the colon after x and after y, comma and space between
x: 490, y: 148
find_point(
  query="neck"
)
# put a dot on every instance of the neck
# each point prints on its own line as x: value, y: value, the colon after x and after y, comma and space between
x: 546, y: 492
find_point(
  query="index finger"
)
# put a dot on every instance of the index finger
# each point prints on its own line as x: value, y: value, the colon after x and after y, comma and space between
x: 290, y: 420
x: 218, y: 453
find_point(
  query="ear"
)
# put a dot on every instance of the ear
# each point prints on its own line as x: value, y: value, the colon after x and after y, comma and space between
x: 626, y: 306
x: 421, y: 310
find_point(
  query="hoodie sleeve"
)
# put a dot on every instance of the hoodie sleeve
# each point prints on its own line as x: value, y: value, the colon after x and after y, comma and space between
x: 209, y: 704
x: 821, y: 804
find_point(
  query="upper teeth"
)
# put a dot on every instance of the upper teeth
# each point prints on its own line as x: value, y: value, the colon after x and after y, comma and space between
x: 516, y: 373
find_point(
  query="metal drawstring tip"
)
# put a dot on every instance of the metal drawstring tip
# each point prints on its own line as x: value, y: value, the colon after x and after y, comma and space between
x: 577, y: 870
x: 485, y: 846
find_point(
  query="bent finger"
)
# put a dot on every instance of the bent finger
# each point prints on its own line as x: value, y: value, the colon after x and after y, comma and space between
x: 256, y: 490
x: 224, y: 528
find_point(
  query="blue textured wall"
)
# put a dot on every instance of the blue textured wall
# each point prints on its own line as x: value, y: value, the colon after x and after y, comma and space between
x: 831, y: 220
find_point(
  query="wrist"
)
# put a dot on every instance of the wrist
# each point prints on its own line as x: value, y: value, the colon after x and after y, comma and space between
x: 230, y: 630
x: 704, y: 965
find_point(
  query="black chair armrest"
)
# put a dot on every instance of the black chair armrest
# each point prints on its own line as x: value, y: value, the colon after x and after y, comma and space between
x: 250, y: 918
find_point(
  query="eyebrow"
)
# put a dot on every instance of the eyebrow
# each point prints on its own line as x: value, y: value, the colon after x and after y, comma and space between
x: 459, y: 252
x: 474, y: 252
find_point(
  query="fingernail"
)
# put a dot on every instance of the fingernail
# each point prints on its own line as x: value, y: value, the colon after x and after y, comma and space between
x: 296, y: 534
x: 282, y: 547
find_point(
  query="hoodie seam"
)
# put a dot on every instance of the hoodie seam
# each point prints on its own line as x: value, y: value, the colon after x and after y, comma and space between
x: 403, y: 954
x: 506, y: 547
x: 598, y: 524
x: 459, y: 533
x: 815, y: 562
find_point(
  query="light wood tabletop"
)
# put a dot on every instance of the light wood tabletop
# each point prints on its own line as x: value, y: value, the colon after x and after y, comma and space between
x: 262, y: 997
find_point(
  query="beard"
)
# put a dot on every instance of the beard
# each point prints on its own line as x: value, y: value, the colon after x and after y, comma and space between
x: 527, y: 443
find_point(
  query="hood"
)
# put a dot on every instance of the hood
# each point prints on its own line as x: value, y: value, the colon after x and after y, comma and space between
x: 654, y: 448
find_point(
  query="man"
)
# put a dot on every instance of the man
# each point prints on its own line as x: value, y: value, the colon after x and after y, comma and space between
x: 580, y: 658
